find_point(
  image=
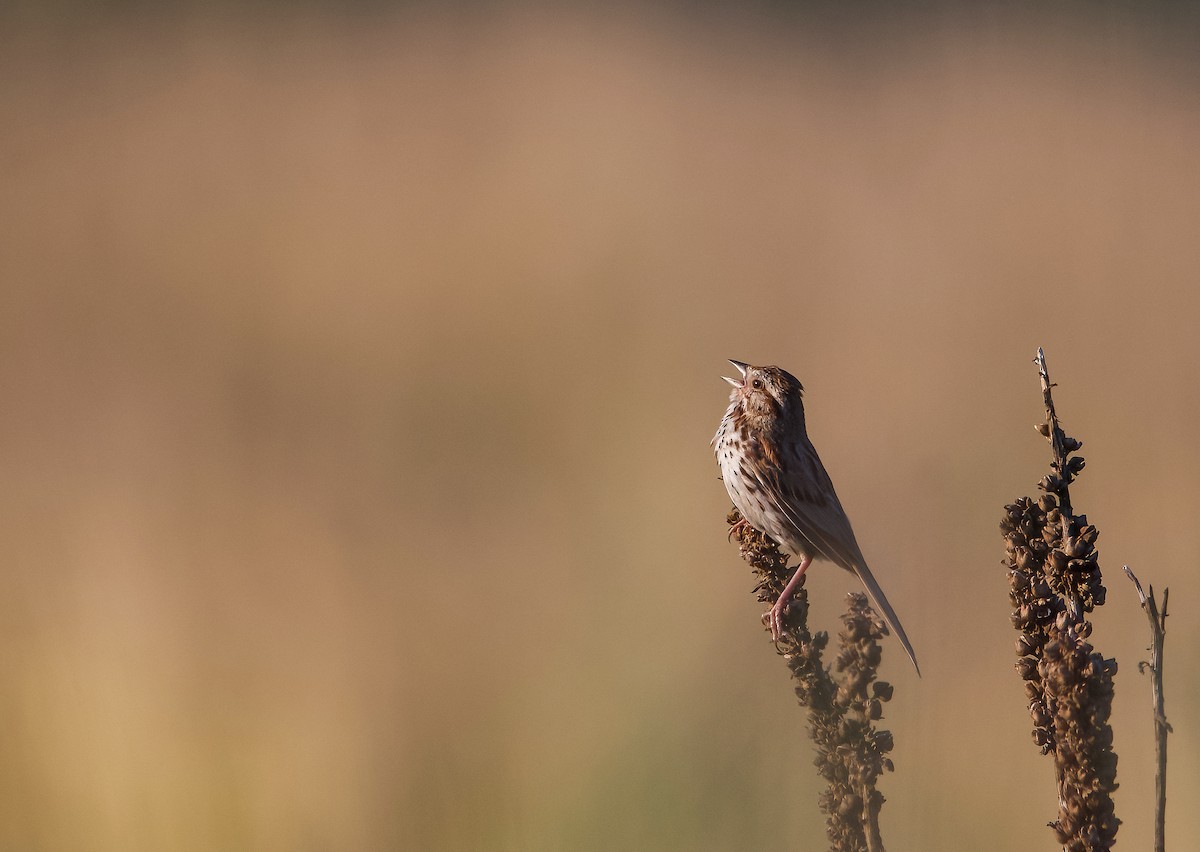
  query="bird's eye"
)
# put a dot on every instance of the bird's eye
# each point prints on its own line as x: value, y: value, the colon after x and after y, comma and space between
x: 756, y: 384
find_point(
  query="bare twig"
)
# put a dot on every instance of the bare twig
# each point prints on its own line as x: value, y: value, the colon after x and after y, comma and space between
x: 1158, y: 635
x: 1054, y: 432
x: 1063, y: 469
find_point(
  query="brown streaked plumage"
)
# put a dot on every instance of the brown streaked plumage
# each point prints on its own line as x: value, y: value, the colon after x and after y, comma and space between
x: 776, y: 480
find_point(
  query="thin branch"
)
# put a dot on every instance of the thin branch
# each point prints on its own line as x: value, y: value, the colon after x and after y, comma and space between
x: 1158, y: 635
x: 1063, y: 469
x: 1054, y: 432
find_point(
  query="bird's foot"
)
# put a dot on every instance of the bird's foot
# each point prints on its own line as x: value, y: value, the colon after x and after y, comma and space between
x: 737, y: 528
x: 774, y: 619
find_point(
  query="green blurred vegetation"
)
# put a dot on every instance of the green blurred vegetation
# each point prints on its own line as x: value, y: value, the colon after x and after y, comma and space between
x: 359, y: 371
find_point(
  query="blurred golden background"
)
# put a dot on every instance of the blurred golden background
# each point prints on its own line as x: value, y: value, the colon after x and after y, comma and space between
x: 359, y: 369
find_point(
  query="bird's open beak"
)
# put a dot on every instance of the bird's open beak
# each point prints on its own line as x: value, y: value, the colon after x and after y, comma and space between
x: 737, y: 383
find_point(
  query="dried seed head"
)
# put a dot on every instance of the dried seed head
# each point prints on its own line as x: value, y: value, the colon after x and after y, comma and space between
x: 850, y: 751
x: 1054, y: 580
x: 1027, y: 668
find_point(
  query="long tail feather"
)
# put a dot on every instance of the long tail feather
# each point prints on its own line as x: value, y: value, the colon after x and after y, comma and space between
x: 885, y: 609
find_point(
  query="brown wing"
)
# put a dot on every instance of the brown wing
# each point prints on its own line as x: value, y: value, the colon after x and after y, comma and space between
x: 804, y: 494
x: 802, y: 491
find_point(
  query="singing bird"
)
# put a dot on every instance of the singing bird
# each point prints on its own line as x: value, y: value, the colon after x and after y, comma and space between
x: 776, y: 480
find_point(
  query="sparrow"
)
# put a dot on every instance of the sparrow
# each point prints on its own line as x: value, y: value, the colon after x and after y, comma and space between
x: 777, y: 482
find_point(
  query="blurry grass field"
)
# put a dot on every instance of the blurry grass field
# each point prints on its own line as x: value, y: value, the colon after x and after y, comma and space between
x: 358, y: 377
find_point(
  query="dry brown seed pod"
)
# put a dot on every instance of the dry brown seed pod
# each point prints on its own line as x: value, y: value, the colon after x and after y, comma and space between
x: 851, y: 804
x: 1027, y: 668
x: 1039, y: 715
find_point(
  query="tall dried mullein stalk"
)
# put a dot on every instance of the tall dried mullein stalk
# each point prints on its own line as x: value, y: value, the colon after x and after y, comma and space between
x: 851, y: 752
x: 1054, y: 581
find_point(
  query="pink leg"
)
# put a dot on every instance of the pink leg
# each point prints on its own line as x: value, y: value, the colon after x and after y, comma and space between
x: 738, y: 527
x: 775, y: 616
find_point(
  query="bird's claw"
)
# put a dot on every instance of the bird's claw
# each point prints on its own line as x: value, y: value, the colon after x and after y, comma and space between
x: 773, y: 618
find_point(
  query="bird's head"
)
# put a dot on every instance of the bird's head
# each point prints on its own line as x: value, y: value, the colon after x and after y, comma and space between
x: 766, y: 396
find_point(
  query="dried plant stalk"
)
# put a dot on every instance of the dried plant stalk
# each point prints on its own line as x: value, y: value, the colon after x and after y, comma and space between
x: 1158, y: 637
x: 851, y: 752
x: 1054, y: 580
